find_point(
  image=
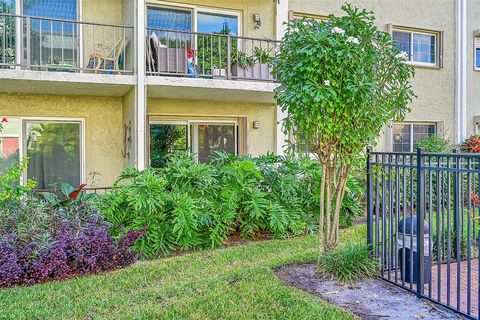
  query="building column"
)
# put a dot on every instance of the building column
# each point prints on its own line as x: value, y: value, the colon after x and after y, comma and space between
x: 140, y: 88
x: 461, y: 72
x: 281, y: 17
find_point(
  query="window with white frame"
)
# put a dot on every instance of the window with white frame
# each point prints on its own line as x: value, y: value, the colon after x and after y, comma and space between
x: 405, y: 135
x: 54, y: 148
x: 420, y: 47
x: 195, y: 19
x: 477, y: 53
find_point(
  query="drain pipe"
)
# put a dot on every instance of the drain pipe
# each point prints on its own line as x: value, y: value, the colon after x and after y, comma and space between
x: 281, y: 17
x: 461, y: 72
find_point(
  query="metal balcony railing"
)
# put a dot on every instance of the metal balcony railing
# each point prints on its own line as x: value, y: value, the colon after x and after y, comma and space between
x: 44, y: 44
x: 202, y: 55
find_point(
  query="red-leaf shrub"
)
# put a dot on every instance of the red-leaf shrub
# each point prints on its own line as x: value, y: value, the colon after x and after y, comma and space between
x: 472, y: 144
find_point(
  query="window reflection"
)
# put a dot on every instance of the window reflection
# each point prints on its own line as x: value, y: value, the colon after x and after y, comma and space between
x: 10, y: 130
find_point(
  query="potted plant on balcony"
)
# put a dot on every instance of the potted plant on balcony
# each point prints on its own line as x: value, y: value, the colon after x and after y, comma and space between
x: 242, y: 65
x: 261, y: 68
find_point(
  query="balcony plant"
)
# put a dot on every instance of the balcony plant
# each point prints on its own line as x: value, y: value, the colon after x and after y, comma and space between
x: 242, y: 65
x: 253, y: 67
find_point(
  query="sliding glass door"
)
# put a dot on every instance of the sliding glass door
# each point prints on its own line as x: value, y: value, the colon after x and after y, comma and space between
x: 47, y: 42
x: 209, y: 137
x: 54, y: 152
x: 202, y: 138
x: 167, y: 138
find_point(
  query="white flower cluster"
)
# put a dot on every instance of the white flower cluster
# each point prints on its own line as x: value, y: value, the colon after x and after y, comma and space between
x: 402, y: 56
x: 353, y: 40
x: 327, y: 83
x: 338, y: 30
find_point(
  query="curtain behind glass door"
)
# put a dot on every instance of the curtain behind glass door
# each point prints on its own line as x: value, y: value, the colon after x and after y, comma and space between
x: 54, y: 152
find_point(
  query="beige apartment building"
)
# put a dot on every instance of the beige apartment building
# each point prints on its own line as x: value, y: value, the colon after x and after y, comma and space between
x: 89, y: 88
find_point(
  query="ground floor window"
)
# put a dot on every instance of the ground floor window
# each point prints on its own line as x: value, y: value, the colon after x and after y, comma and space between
x: 53, y: 148
x: 405, y: 135
x: 203, y: 138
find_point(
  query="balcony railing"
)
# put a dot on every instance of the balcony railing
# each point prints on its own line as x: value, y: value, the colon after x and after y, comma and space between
x: 202, y: 55
x: 33, y: 43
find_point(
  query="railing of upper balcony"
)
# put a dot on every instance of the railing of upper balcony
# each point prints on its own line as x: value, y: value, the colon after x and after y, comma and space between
x: 202, y: 55
x: 34, y: 43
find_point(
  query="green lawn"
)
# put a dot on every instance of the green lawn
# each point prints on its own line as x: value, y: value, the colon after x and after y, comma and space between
x: 231, y: 283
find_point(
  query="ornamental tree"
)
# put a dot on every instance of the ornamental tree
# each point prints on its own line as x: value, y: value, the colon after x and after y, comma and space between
x: 341, y: 81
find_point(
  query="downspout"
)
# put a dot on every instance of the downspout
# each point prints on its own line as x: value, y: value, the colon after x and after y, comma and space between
x: 140, y: 96
x: 461, y: 72
x: 281, y: 17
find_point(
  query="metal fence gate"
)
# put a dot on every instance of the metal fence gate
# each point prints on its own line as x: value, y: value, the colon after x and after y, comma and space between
x: 436, y: 259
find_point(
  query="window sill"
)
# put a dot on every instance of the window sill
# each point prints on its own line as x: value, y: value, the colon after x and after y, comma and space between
x: 424, y: 65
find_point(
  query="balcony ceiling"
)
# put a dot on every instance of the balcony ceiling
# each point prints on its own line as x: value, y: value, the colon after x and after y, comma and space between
x: 210, y: 89
x: 65, y: 83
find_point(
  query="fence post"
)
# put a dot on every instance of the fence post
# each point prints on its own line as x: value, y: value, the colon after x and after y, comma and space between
x: 369, y: 202
x: 456, y: 202
x: 420, y: 265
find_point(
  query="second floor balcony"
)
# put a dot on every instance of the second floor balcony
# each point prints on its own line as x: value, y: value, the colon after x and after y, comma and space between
x: 209, y: 55
x: 45, y: 44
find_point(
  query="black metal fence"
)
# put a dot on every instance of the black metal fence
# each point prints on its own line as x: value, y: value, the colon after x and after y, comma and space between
x: 436, y: 259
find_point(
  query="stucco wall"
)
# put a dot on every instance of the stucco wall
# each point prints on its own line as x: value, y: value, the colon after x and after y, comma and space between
x: 259, y: 141
x: 103, y: 126
x: 435, y: 88
x: 473, y: 77
x: 266, y: 9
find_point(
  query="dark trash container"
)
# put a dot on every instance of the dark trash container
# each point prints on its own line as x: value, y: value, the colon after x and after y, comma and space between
x: 409, y: 246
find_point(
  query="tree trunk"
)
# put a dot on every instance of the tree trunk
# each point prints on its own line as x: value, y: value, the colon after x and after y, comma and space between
x: 332, y: 191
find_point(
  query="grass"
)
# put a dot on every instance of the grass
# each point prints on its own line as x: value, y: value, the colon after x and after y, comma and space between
x: 231, y: 283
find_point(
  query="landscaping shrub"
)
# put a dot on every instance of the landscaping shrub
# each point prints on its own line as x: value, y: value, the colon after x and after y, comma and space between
x: 434, y: 144
x: 471, y: 144
x: 189, y: 205
x: 348, y: 263
x: 53, y: 237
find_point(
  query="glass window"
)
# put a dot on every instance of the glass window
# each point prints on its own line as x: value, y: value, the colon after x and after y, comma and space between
x: 165, y: 139
x: 53, y: 149
x: 403, y: 41
x: 217, y: 23
x: 10, y: 131
x: 401, y: 138
x: 477, y: 52
x: 210, y: 137
x: 7, y: 6
x: 405, y: 135
x: 51, y: 42
x: 477, y: 58
x: 169, y: 19
x: 420, y: 47
x: 65, y: 9
x: 423, y: 48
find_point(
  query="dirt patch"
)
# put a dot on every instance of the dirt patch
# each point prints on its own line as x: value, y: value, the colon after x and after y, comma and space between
x: 368, y: 299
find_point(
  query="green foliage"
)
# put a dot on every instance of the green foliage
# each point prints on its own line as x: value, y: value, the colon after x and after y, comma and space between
x: 344, y: 74
x: 341, y: 81
x: 434, y: 144
x: 188, y: 205
x: 11, y: 191
x: 348, y: 263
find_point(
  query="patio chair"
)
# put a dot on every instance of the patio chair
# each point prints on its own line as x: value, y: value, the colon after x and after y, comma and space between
x: 111, y: 60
